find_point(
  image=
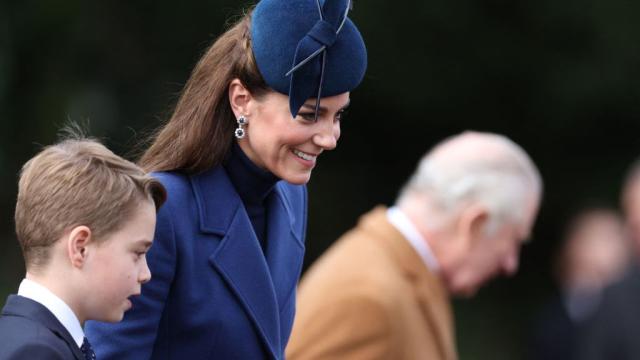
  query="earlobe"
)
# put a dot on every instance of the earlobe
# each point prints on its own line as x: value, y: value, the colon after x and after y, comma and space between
x: 77, y: 241
x: 239, y: 98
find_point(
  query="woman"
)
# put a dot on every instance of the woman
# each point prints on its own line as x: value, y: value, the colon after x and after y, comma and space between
x: 259, y: 108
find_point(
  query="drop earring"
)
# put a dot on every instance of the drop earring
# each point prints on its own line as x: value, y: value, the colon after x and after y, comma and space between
x: 240, y: 132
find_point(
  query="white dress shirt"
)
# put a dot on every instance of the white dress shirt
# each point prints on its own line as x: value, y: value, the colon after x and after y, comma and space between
x: 36, y: 292
x: 401, y: 222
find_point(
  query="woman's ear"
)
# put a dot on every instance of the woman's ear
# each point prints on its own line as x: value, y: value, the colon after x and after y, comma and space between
x: 77, y: 241
x: 239, y: 98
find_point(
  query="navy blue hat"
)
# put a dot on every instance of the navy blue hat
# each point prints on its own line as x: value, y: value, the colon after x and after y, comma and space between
x: 307, y: 48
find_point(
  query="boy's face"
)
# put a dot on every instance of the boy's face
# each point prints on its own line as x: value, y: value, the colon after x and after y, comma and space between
x: 117, y: 267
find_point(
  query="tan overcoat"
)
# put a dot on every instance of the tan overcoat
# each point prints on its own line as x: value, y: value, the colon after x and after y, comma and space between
x: 370, y: 296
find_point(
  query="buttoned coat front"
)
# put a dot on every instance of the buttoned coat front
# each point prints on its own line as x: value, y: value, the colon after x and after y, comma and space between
x: 214, y: 293
x: 371, y: 296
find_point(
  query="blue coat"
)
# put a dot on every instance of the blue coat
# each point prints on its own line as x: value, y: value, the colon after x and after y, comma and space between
x: 28, y: 330
x: 213, y: 294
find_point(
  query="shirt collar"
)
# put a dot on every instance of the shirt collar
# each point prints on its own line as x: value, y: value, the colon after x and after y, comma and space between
x: 402, y: 223
x: 36, y: 292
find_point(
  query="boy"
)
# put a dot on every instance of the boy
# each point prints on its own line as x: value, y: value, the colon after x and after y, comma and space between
x: 85, y: 219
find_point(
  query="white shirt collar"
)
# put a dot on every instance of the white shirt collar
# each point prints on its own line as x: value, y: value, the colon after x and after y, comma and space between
x: 58, y: 308
x: 401, y: 222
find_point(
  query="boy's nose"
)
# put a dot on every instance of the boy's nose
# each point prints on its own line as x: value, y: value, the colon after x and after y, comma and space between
x: 145, y: 274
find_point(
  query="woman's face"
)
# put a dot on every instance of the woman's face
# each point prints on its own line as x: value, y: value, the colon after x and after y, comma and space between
x: 289, y: 147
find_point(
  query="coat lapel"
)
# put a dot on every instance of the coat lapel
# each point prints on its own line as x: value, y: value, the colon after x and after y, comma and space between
x: 429, y: 291
x: 432, y: 297
x: 30, y: 309
x: 285, y: 249
x: 437, y: 310
x: 239, y: 258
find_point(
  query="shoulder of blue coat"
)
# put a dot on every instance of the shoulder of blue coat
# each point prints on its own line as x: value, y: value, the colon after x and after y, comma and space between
x: 177, y: 184
x: 171, y: 179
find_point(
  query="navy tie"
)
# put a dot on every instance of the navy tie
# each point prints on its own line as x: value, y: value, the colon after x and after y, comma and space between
x: 87, y: 350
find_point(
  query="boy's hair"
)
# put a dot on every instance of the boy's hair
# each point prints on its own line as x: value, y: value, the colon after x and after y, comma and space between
x: 77, y: 181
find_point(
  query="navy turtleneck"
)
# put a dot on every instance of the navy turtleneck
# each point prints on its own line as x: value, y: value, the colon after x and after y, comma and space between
x: 254, y: 185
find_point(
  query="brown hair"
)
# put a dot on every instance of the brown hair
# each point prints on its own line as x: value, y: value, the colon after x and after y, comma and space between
x: 198, y: 135
x: 77, y: 182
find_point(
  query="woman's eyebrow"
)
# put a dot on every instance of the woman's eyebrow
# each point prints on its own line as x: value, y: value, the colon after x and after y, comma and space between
x: 323, y: 108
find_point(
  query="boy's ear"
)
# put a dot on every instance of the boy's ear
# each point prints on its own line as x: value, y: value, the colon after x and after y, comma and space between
x: 239, y: 98
x: 77, y: 241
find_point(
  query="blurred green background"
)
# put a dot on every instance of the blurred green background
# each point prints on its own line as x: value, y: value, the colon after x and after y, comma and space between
x: 560, y: 77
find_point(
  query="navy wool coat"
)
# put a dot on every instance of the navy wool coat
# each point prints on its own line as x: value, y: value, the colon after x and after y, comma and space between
x: 214, y: 293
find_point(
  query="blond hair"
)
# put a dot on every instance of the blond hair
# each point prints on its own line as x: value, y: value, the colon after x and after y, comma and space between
x: 77, y: 182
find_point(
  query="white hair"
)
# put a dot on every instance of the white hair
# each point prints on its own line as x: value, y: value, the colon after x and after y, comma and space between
x: 476, y: 168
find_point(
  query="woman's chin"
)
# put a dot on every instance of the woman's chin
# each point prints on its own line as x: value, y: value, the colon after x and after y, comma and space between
x: 297, y: 178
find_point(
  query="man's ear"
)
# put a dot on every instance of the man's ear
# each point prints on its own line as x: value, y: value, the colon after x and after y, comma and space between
x: 239, y: 98
x: 77, y: 241
x: 472, y: 224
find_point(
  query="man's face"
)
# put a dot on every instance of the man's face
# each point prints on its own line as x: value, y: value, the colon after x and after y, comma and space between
x: 488, y: 255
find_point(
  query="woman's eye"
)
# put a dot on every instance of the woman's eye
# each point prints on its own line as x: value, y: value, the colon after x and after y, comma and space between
x: 308, y: 116
x: 340, y: 115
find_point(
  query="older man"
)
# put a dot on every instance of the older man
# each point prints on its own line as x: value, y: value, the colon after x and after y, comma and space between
x: 382, y: 290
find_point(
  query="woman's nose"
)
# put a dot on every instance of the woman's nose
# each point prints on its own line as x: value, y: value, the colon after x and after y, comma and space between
x: 327, y: 135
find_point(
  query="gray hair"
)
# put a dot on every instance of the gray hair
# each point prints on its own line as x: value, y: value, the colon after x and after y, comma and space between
x: 481, y: 168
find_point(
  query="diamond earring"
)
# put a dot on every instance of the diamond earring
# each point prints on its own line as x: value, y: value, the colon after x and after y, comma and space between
x: 240, y: 132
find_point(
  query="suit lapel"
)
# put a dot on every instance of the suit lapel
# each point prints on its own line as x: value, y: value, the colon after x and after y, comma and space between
x: 30, y: 309
x: 239, y: 258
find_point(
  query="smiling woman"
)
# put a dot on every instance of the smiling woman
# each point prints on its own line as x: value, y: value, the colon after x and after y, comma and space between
x: 289, y: 149
x: 261, y: 105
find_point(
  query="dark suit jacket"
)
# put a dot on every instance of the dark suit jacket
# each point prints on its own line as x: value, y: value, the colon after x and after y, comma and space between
x: 28, y: 330
x: 613, y: 332
x: 554, y: 333
x: 213, y: 293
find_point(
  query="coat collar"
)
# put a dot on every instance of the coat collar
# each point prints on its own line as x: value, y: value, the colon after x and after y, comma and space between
x: 218, y: 201
x: 430, y: 291
x: 257, y: 281
x: 30, y: 309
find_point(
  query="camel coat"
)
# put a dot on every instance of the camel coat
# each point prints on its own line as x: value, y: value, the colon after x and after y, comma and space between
x: 370, y: 296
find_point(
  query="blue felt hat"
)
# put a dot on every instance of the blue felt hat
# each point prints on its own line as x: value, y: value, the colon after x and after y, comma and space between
x: 307, y: 48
